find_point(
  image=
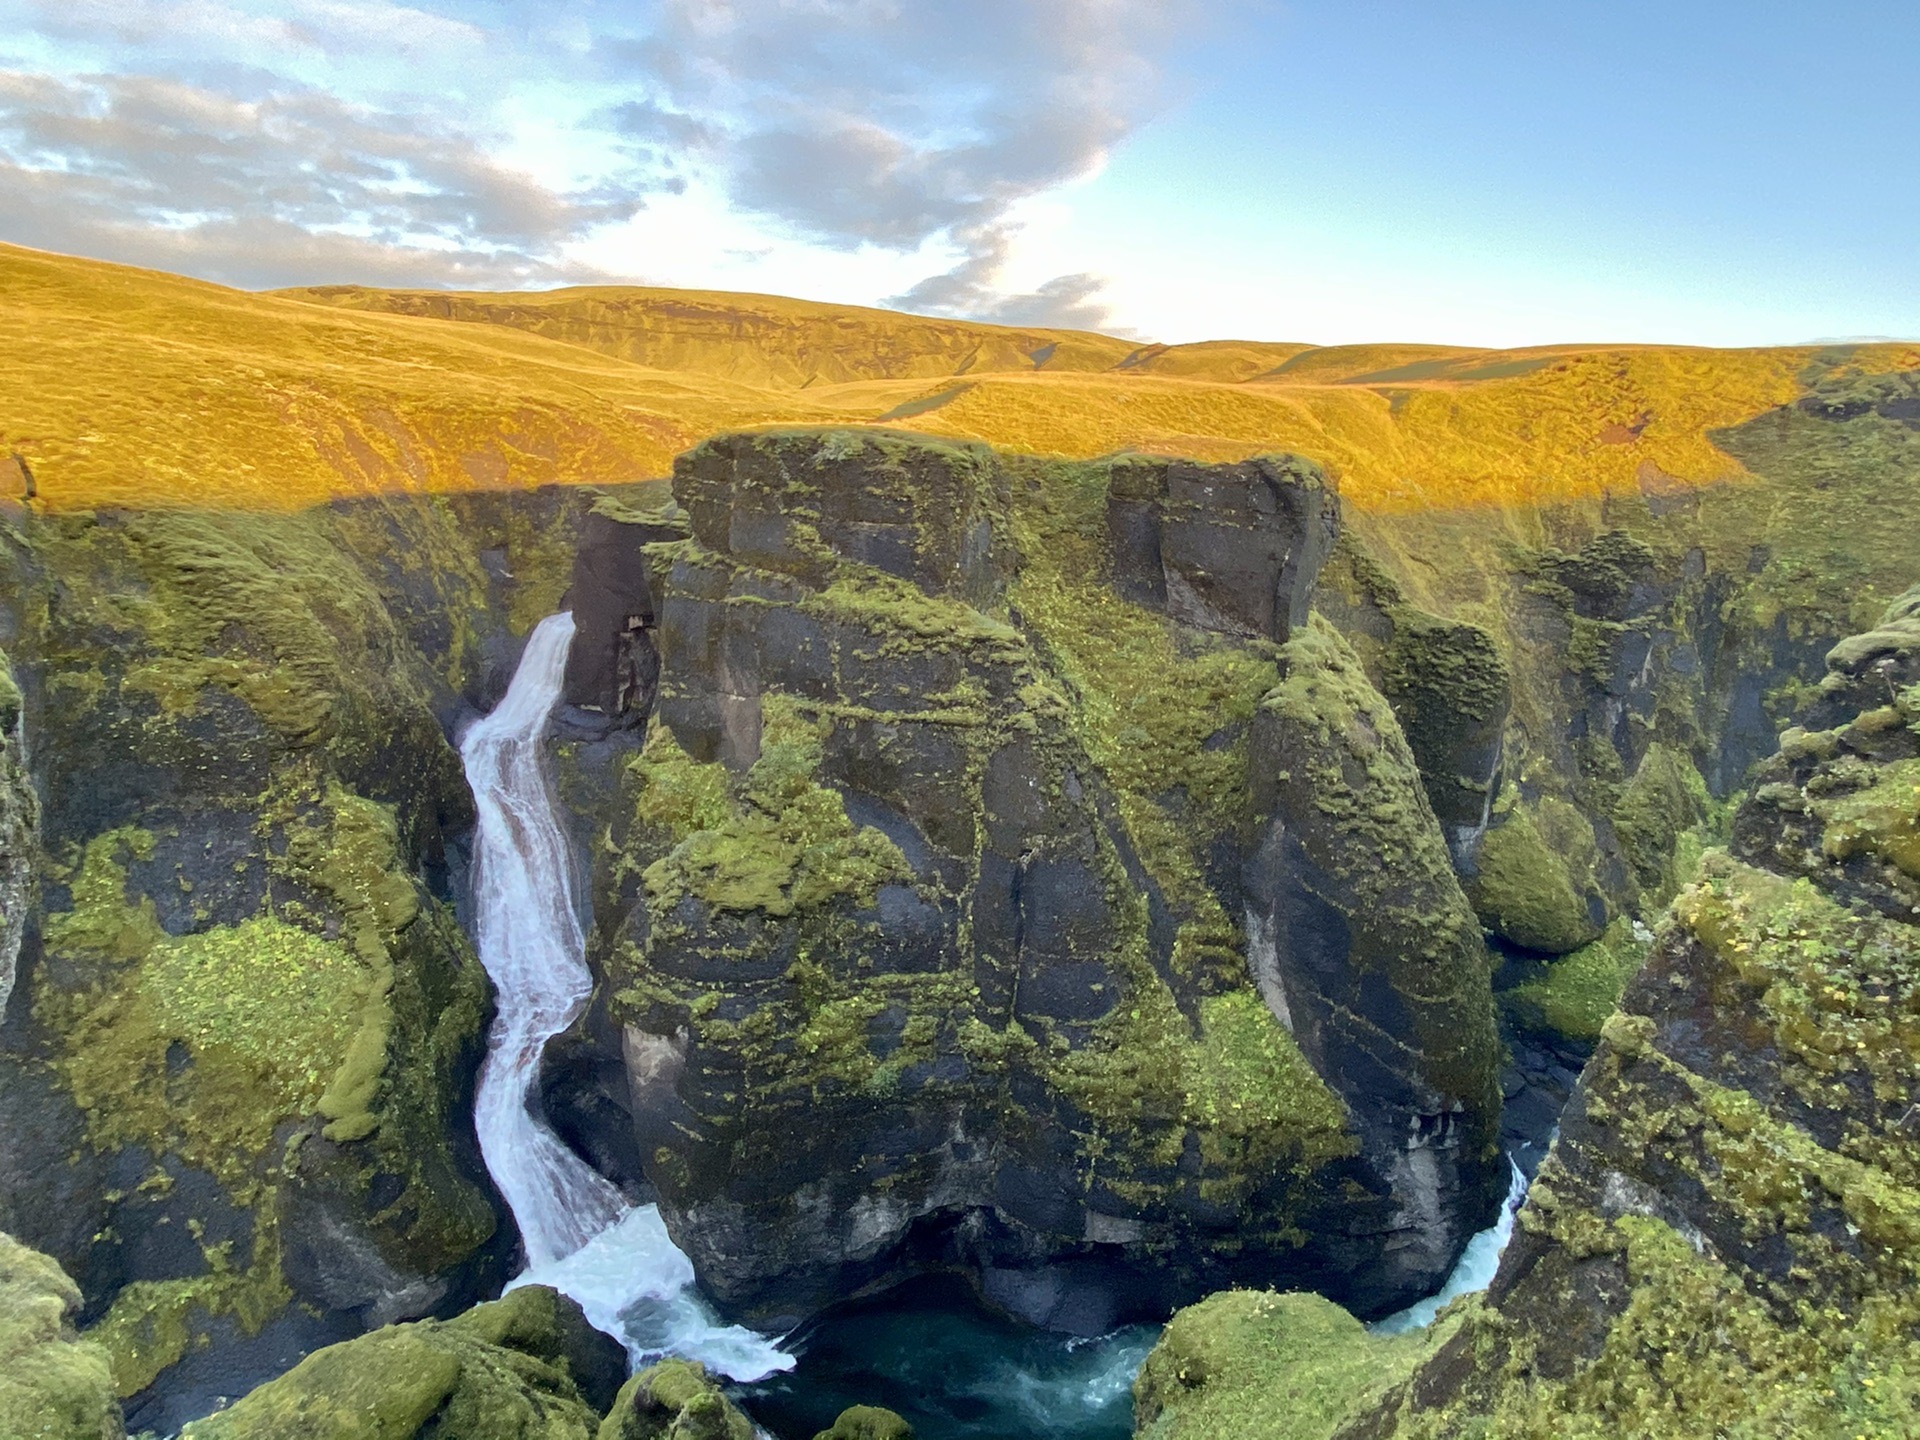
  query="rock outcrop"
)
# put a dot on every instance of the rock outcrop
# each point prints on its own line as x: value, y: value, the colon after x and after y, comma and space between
x: 235, y: 1068
x: 19, y: 832
x: 53, y: 1384
x: 526, y: 1367
x: 675, y: 1400
x: 1725, y: 1239
x: 922, y: 917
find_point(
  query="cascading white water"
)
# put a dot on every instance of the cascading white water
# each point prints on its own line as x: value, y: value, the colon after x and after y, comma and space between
x: 1474, y: 1271
x: 581, y: 1237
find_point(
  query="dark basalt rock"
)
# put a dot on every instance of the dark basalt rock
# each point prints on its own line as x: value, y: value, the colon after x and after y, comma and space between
x: 899, y: 988
x: 1222, y: 547
x: 1362, y: 943
x: 613, y: 665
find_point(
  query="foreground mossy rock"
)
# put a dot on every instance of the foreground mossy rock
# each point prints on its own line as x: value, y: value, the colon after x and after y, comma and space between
x: 526, y: 1367
x: 1725, y: 1240
x: 674, y: 1400
x: 923, y: 912
x: 53, y: 1384
x: 1256, y: 1365
x: 867, y: 1422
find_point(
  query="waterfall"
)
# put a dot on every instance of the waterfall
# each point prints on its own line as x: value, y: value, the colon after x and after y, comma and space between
x: 617, y: 1261
x: 1474, y: 1272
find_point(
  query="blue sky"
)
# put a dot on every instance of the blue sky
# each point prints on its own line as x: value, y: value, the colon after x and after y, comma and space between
x: 1326, y: 170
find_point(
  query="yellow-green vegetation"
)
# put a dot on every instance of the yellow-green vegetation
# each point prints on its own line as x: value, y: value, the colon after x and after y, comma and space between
x: 1527, y: 884
x: 204, y: 1043
x: 1663, y: 801
x: 1881, y: 820
x: 1251, y: 1094
x: 1772, y: 1292
x: 501, y: 1371
x: 1577, y: 992
x: 867, y: 1422
x: 282, y: 400
x: 762, y: 340
x: 276, y: 404
x: 1256, y: 1365
x: 674, y: 1400
x: 152, y: 1324
x: 779, y: 841
x: 53, y: 1384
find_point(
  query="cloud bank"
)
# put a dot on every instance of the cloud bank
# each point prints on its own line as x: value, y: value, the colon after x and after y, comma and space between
x: 452, y: 144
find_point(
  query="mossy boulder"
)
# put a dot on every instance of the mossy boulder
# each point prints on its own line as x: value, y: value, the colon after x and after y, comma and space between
x: 1530, y: 883
x: 520, y: 1368
x: 867, y: 1422
x: 674, y: 1400
x: 1257, y: 1365
x: 921, y: 908
x: 53, y: 1384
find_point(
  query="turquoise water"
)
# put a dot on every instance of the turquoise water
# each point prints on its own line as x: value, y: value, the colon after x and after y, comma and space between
x: 957, y: 1371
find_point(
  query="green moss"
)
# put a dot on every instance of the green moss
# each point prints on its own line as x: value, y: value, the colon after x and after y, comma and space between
x: 475, y: 1377
x: 1665, y: 798
x: 9, y: 695
x: 263, y: 1014
x: 1776, y: 1326
x: 1579, y: 991
x: 783, y: 842
x: 867, y: 1422
x: 1255, y: 1365
x: 1253, y: 1097
x: 153, y: 1323
x: 53, y: 1385
x: 1881, y: 820
x: 1526, y: 888
x: 1161, y: 710
x: 674, y: 1400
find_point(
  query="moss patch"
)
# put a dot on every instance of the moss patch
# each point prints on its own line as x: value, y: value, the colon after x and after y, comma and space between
x: 674, y: 1400
x: 1527, y: 886
x: 53, y: 1385
x: 483, y: 1376
x: 1579, y: 991
x: 1257, y: 1365
x: 778, y: 842
x: 203, y: 1043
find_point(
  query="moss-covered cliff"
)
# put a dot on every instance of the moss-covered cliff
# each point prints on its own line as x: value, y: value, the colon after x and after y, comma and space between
x: 1725, y: 1239
x: 922, y: 914
x: 233, y: 1089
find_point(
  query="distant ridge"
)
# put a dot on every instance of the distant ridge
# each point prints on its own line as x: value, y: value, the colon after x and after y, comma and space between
x: 135, y: 387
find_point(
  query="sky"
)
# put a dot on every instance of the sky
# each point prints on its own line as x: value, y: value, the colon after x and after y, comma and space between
x: 1477, y: 172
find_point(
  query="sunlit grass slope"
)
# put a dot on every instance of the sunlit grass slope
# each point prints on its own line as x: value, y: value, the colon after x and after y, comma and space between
x: 759, y: 339
x: 132, y: 387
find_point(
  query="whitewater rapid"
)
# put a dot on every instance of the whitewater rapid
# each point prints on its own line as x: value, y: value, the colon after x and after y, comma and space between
x: 1473, y: 1273
x: 616, y: 1260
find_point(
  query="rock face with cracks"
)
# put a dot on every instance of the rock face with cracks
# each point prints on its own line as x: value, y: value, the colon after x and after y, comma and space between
x: 1725, y: 1239
x: 935, y: 914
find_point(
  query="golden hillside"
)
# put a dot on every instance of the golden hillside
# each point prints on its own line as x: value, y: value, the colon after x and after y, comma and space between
x: 128, y: 386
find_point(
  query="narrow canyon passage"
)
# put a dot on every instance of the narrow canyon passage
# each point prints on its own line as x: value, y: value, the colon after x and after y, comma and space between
x: 580, y: 1236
